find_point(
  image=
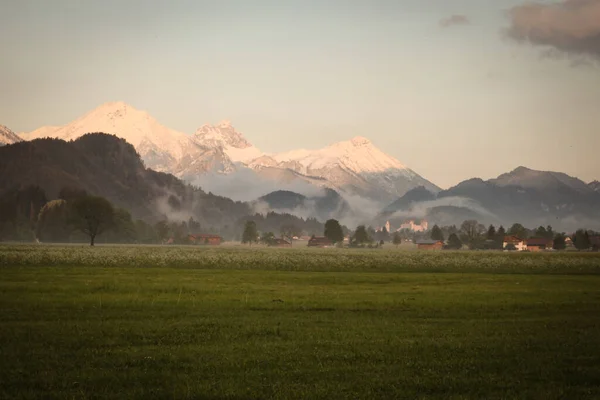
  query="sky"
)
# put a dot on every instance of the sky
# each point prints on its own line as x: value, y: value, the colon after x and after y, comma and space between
x: 454, y: 89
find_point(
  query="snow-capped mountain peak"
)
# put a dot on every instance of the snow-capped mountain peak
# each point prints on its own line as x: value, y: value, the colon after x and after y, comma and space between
x: 160, y: 147
x: 7, y: 136
x: 358, y: 155
x: 355, y: 165
x: 223, y: 135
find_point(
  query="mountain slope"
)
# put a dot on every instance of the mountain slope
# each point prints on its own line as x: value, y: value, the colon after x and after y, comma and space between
x: 160, y: 147
x: 595, y: 186
x: 355, y: 166
x: 108, y: 166
x: 326, y: 205
x: 224, y: 136
x: 523, y: 195
x: 7, y: 136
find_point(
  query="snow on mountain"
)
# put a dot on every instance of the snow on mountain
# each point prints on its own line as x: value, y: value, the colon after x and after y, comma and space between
x: 7, y: 136
x: 358, y: 155
x: 161, y: 148
x: 224, y: 135
x: 595, y: 186
x: 355, y: 166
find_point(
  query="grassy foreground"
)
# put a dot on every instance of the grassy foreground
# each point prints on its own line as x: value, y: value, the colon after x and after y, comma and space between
x: 99, y: 330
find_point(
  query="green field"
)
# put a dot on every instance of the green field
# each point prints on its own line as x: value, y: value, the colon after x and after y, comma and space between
x: 184, y: 322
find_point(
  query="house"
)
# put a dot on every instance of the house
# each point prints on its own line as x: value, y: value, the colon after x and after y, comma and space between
x: 516, y: 241
x: 414, y: 227
x: 430, y: 244
x: 319, y: 241
x: 204, y: 238
x: 280, y: 243
x: 539, y: 244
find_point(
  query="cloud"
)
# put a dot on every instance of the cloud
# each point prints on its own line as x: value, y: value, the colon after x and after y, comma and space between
x: 455, y: 20
x: 421, y: 209
x: 246, y: 185
x: 568, y: 26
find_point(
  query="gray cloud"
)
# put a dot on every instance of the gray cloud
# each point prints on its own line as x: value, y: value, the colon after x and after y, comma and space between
x: 455, y: 20
x: 569, y: 26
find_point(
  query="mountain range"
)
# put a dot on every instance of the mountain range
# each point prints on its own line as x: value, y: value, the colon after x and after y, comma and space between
x: 351, y: 180
x: 523, y: 195
x: 353, y: 167
x: 108, y: 166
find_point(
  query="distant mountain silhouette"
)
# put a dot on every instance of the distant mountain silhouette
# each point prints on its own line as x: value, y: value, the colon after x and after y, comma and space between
x: 325, y: 206
x: 523, y: 195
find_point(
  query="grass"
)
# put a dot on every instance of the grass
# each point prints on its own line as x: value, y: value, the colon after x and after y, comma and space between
x: 267, y: 325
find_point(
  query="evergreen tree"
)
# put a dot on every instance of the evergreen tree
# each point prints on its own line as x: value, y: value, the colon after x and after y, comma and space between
x: 361, y: 236
x: 397, y: 240
x: 491, y: 233
x: 581, y: 240
x: 250, y: 234
x: 161, y: 229
x: 333, y: 231
x: 454, y: 242
x: 193, y: 226
x: 436, y: 233
x: 559, y: 242
x: 501, y: 233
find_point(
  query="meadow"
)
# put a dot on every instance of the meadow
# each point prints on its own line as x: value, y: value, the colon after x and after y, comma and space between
x: 233, y: 322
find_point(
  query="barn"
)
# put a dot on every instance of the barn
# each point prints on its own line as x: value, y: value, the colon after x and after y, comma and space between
x: 204, y: 238
x: 430, y: 244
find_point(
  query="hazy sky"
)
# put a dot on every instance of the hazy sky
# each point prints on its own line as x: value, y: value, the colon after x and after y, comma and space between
x: 443, y: 85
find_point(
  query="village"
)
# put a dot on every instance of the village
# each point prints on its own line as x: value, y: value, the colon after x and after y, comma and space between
x: 414, y: 234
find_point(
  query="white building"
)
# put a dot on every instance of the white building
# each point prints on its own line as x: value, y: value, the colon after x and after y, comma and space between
x: 411, y: 226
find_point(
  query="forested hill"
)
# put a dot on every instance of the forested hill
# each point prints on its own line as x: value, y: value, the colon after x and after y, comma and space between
x: 108, y: 166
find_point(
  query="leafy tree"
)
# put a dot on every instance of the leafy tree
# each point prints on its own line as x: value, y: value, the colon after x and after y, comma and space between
x: 436, y: 233
x: 518, y: 230
x: 541, y: 232
x: 361, y: 236
x: 123, y: 229
x: 267, y: 238
x: 290, y: 231
x: 581, y: 240
x: 454, y: 242
x: 397, y: 239
x: 471, y: 231
x: 333, y: 231
x: 92, y: 215
x: 559, y: 242
x: 491, y: 233
x: 250, y: 234
x: 52, y: 225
